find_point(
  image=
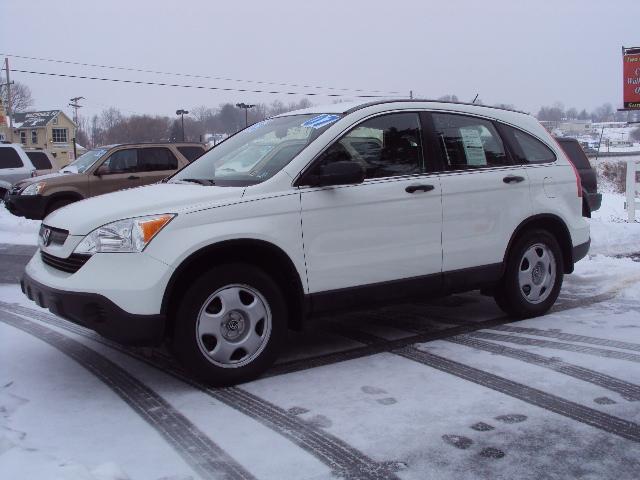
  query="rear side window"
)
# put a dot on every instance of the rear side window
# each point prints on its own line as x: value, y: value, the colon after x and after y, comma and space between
x: 191, y: 153
x: 39, y: 160
x: 9, y: 158
x: 156, y: 159
x: 575, y: 153
x: 528, y: 149
x: 468, y: 142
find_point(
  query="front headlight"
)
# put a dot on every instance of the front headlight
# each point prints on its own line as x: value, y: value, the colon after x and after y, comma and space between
x: 33, y: 189
x: 123, y: 236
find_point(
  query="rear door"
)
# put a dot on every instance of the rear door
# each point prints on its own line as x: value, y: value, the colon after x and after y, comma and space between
x: 484, y: 196
x: 386, y: 229
x: 155, y: 164
x: 120, y: 170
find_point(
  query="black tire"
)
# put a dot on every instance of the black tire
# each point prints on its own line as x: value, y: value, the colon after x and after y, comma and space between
x: 186, y: 345
x: 57, y: 204
x: 510, y: 296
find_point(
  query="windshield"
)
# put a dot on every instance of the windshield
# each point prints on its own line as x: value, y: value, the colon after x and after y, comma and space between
x: 84, y: 162
x: 256, y: 153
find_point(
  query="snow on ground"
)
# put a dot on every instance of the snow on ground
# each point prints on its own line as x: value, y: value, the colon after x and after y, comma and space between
x: 17, y: 230
x: 610, y: 232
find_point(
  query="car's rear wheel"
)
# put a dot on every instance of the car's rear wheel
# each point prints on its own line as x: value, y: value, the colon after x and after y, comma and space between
x: 533, y: 275
x: 230, y: 325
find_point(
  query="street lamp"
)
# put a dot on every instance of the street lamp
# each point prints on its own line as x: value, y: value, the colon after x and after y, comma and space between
x: 182, y: 113
x: 246, y: 109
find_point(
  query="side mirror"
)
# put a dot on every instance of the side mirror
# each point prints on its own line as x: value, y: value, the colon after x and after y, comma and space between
x: 101, y: 170
x: 337, y: 173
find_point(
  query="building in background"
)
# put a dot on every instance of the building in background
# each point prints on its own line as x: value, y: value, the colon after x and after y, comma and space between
x: 50, y: 130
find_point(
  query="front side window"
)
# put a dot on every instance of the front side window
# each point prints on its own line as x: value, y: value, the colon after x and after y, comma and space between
x: 34, y: 137
x: 122, y: 161
x: 191, y: 153
x: 528, y: 149
x: 156, y: 159
x: 9, y: 158
x: 468, y: 142
x: 59, y: 135
x: 385, y: 146
x: 256, y: 153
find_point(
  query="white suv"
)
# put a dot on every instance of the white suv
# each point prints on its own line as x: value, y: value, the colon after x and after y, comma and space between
x: 317, y: 211
x: 15, y: 165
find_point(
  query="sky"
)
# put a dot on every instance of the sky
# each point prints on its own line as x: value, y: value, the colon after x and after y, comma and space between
x: 526, y: 54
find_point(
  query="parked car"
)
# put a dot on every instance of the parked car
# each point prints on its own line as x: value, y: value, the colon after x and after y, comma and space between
x: 591, y: 199
x: 369, y: 203
x: 43, y: 161
x: 15, y: 165
x: 101, y: 170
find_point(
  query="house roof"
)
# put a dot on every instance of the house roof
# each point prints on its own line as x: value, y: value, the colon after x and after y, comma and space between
x: 34, y: 119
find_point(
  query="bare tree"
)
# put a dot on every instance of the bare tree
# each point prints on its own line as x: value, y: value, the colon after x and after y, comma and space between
x: 21, y: 98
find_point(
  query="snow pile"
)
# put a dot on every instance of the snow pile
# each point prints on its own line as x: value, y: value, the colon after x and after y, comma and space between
x: 17, y: 230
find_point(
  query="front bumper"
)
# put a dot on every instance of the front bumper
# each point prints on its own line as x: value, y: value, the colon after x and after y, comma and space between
x: 30, y: 206
x: 98, y: 313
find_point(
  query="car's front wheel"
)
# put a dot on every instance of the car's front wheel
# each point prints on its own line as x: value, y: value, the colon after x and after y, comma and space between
x: 533, y: 275
x: 230, y: 325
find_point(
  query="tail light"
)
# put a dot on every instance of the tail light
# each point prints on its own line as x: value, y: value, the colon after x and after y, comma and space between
x: 578, y: 181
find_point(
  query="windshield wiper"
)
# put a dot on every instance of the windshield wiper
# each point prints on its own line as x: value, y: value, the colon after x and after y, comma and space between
x: 200, y: 181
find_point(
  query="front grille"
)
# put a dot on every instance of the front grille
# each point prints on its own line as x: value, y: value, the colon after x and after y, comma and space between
x: 70, y: 265
x: 57, y: 236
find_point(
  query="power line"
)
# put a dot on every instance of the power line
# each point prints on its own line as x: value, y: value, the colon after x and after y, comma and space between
x: 199, y: 87
x: 190, y: 75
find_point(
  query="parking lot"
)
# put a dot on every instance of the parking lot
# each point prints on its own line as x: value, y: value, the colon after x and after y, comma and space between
x: 442, y: 389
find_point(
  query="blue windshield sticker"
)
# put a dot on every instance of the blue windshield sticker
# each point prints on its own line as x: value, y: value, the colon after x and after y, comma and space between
x: 320, y: 121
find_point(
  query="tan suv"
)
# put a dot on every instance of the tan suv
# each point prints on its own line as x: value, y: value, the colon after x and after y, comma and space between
x: 101, y: 170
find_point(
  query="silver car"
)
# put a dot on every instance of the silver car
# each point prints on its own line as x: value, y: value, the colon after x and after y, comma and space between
x: 15, y: 165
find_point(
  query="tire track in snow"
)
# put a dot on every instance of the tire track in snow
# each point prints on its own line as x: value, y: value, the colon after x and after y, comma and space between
x: 568, y: 347
x: 570, y: 337
x: 206, y: 458
x: 627, y: 390
x: 343, y: 459
x: 566, y: 408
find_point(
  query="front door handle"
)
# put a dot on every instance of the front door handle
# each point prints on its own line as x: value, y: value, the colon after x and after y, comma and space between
x: 133, y: 177
x: 513, y: 179
x: 419, y: 188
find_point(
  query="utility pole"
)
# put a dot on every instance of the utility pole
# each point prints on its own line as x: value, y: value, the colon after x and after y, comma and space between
x: 246, y: 108
x: 9, y: 109
x: 75, y: 105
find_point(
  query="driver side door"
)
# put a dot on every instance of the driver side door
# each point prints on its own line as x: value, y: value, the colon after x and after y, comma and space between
x: 380, y: 239
x: 120, y: 170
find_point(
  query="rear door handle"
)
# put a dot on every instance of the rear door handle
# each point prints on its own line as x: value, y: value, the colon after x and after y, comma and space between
x: 513, y: 179
x: 419, y: 188
x: 133, y: 177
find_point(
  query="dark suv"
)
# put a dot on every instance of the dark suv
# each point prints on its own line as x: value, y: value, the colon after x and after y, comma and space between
x: 591, y: 199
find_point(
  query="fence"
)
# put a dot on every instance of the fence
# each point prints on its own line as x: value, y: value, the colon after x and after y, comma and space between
x: 632, y: 189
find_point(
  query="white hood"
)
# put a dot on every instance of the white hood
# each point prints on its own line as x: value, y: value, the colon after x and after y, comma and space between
x: 82, y: 217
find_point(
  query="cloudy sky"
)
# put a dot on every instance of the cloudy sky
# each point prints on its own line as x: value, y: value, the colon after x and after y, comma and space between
x: 521, y: 53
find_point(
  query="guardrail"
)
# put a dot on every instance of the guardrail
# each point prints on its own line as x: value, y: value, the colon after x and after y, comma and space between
x: 632, y: 203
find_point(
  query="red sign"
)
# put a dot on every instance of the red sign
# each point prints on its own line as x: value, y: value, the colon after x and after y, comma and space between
x: 631, y: 79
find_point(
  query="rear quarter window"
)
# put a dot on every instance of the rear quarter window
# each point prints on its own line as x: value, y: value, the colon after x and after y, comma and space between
x: 191, y: 153
x: 9, y: 158
x: 575, y: 153
x: 527, y: 148
x: 40, y: 160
